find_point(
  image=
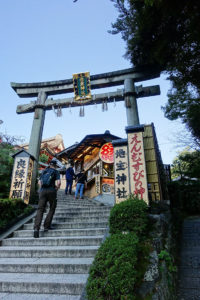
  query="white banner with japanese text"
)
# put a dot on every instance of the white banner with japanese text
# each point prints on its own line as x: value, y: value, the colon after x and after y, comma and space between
x: 21, y: 178
x: 121, y: 173
x: 137, y: 167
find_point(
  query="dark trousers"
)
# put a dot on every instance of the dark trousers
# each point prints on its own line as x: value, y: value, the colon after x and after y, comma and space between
x: 69, y: 186
x: 46, y: 195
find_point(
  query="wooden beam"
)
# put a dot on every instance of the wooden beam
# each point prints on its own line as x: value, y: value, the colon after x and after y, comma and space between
x: 103, y: 80
x: 96, y: 99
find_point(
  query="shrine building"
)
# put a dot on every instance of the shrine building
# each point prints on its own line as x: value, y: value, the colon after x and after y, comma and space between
x: 95, y: 155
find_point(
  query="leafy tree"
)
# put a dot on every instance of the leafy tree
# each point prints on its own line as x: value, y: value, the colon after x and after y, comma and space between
x: 186, y: 164
x: 164, y: 35
x: 183, y: 103
x: 6, y: 162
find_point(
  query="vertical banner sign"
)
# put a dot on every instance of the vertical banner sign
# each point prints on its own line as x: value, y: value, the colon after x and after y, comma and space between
x: 28, y: 181
x: 82, y: 89
x: 21, y: 178
x: 138, y: 176
x: 122, y: 190
x: 97, y: 184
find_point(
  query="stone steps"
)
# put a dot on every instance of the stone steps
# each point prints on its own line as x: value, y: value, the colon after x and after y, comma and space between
x: 76, y: 208
x: 56, y: 265
x: 72, y: 284
x: 72, y: 225
x: 46, y: 251
x: 80, y: 209
x: 45, y: 265
x: 63, y: 232
x: 189, y: 260
x: 30, y: 296
x: 81, y: 214
x: 76, y: 202
x: 79, y: 219
x: 54, y: 241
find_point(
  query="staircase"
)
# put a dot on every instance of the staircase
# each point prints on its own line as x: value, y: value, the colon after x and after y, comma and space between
x: 56, y: 265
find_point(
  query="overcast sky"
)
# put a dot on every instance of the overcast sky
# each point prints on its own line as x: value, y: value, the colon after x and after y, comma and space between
x: 44, y: 40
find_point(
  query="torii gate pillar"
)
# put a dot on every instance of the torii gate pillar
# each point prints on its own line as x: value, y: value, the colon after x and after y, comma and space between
x: 36, y: 134
x: 130, y: 99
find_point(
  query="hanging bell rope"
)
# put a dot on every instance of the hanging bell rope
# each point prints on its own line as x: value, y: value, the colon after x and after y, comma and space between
x: 103, y: 106
x: 114, y: 102
x: 59, y: 111
x: 81, y: 112
x: 106, y: 105
x: 53, y: 108
x: 94, y: 98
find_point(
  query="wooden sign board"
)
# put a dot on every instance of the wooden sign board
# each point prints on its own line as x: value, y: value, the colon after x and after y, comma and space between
x: 82, y: 89
x: 137, y: 165
x: 153, y: 161
x: 122, y: 190
x: 21, y: 177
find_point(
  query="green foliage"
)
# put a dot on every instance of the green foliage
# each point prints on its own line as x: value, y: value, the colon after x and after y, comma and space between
x: 113, y: 275
x: 43, y: 158
x: 186, y: 164
x: 6, y: 163
x: 185, y: 196
x: 7, y: 143
x: 167, y: 29
x: 183, y: 103
x: 164, y: 255
x: 143, y: 249
x: 164, y: 35
x: 10, y: 209
x: 129, y: 215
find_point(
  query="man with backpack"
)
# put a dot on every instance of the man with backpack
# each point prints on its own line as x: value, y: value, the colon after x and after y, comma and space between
x: 49, y: 184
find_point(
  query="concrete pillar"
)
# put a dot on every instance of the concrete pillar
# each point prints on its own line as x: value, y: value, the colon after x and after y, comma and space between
x: 130, y: 99
x: 36, y: 134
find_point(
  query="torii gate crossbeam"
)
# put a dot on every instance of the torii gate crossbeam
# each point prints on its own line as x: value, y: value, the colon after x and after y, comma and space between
x: 42, y: 90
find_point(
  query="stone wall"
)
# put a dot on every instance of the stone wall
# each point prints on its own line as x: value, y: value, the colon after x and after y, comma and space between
x: 159, y: 281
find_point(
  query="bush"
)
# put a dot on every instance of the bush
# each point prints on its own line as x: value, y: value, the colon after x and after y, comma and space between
x: 130, y: 215
x: 113, y: 275
x: 10, y: 209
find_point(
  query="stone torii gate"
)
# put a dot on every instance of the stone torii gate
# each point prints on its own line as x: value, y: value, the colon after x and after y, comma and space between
x: 42, y: 91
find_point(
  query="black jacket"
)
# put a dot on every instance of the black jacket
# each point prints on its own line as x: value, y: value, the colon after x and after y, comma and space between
x: 81, y: 177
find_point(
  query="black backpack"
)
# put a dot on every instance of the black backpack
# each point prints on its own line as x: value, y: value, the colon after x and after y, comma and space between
x: 47, y: 178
